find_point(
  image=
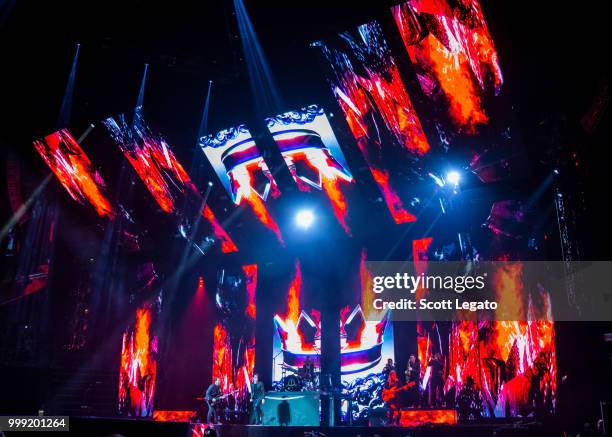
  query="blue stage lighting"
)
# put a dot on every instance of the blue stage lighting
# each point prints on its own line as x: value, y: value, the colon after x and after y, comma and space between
x: 141, y: 93
x: 453, y: 177
x: 63, y: 119
x: 265, y: 91
x: 304, y: 218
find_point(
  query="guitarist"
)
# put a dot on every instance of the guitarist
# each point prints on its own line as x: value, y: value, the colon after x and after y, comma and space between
x: 390, y: 396
x: 258, y: 392
x: 212, y: 394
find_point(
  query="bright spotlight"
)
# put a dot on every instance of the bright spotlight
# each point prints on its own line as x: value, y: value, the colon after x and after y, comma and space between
x: 304, y: 218
x: 453, y: 177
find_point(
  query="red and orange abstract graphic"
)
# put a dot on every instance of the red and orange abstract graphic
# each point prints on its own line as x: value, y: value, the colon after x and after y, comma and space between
x: 243, y: 172
x: 454, y: 56
x: 138, y: 369
x: 234, y: 333
x: 74, y: 170
x: 165, y: 178
x: 376, y: 105
x: 512, y: 362
x: 297, y: 329
x: 174, y: 415
x: 313, y: 155
x: 414, y: 418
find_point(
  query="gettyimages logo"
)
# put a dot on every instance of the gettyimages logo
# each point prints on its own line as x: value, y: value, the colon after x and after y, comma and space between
x: 411, y: 283
x: 432, y: 284
x: 500, y: 290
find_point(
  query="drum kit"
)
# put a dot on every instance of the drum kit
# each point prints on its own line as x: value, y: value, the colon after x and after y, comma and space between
x: 303, y: 378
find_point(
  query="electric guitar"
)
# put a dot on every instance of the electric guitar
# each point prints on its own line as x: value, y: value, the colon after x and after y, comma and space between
x: 216, y: 399
x: 389, y: 394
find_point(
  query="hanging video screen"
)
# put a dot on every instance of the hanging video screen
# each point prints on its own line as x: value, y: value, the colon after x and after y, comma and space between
x: 296, y: 349
x: 513, y: 363
x: 458, y: 71
x: 312, y: 154
x: 139, y: 359
x: 240, y: 167
x: 367, y: 85
x: 366, y: 337
x: 69, y: 163
x: 239, y: 164
x: 454, y: 56
x: 367, y: 346
x: 162, y: 174
x: 234, y: 333
x: 366, y: 333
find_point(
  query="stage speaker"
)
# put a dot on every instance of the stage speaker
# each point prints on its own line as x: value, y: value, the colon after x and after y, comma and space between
x: 298, y: 408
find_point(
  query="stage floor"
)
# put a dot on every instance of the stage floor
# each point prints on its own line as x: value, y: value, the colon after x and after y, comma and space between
x: 390, y: 431
x: 104, y: 427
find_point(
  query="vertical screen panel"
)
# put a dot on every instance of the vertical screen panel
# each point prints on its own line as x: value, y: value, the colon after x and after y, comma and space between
x: 367, y: 85
x: 454, y: 56
x: 312, y: 154
x: 243, y: 172
x: 65, y: 157
x: 233, y: 360
x: 138, y: 369
x: 163, y: 175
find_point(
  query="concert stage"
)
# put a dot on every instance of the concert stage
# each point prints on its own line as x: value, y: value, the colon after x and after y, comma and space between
x: 96, y: 426
x: 321, y: 217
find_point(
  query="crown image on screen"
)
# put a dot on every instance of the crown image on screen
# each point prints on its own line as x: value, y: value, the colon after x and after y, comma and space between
x: 361, y: 340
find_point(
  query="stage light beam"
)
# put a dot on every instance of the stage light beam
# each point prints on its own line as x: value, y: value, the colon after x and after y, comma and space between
x: 266, y: 95
x: 63, y: 119
x: 141, y: 91
x: 304, y: 218
x: 453, y: 178
x: 203, y: 130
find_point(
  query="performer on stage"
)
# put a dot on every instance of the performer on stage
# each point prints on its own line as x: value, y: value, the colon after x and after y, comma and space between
x: 413, y: 374
x: 388, y: 368
x: 436, y: 380
x: 231, y: 398
x: 469, y: 404
x: 212, y: 393
x: 391, y: 397
x: 258, y: 392
x: 308, y: 367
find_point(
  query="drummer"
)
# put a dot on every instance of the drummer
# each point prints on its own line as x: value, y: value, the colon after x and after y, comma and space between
x: 308, y: 368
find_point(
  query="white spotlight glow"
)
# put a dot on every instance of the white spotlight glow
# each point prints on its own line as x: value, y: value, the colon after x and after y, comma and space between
x: 453, y: 177
x: 304, y: 218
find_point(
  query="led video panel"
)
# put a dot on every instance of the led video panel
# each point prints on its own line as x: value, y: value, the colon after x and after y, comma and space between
x: 366, y: 83
x: 312, y: 154
x: 233, y: 361
x: 69, y: 163
x: 454, y: 57
x: 242, y: 170
x: 138, y: 367
x: 165, y: 178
